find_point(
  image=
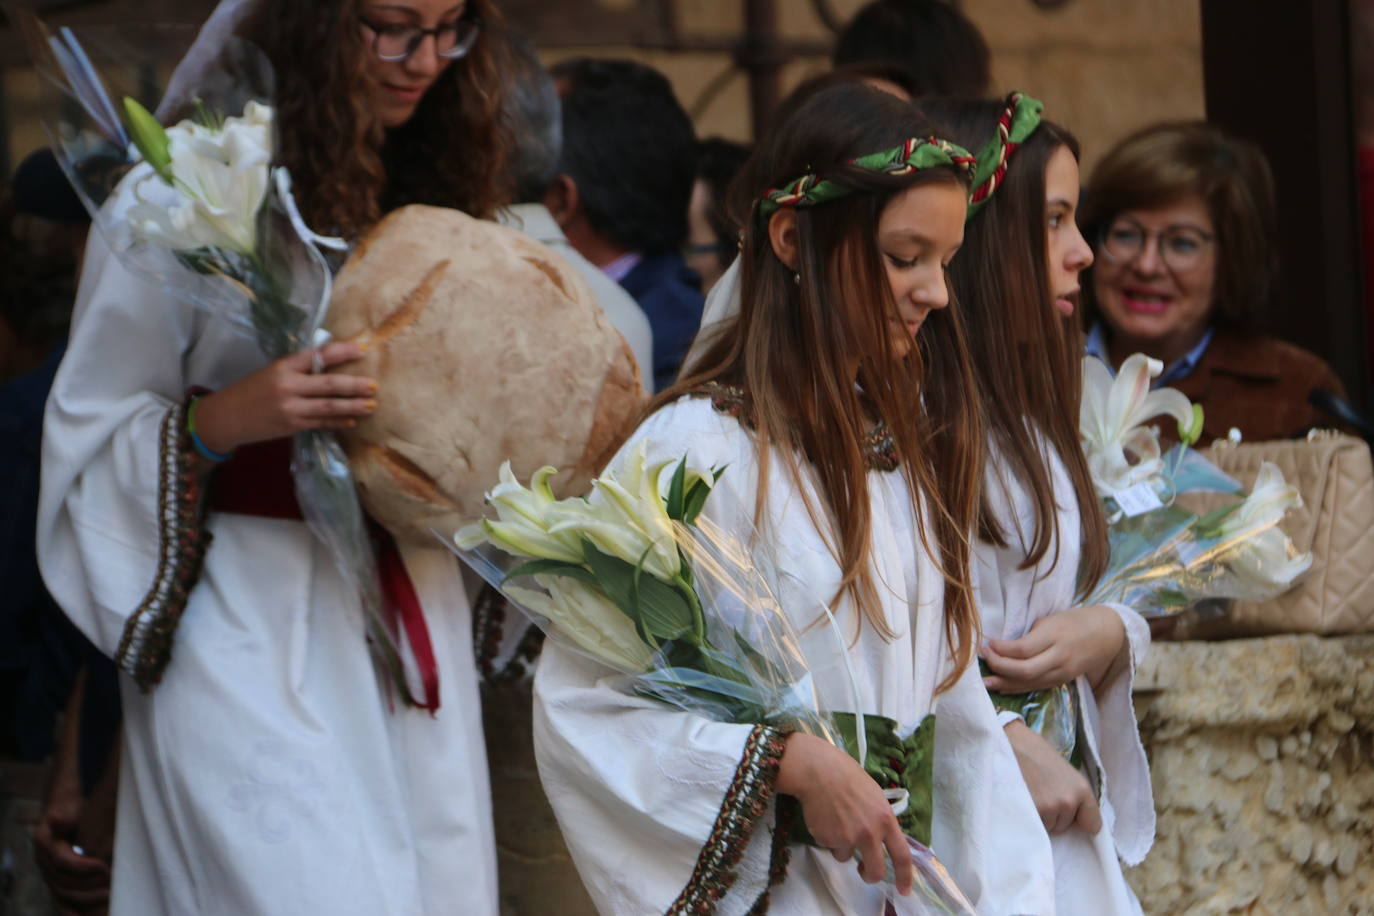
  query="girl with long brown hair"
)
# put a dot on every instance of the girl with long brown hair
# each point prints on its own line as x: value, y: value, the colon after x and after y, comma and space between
x: 267, y: 768
x: 839, y: 401
x: 1042, y: 536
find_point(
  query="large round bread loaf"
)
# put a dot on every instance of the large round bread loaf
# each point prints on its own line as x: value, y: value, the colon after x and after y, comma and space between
x: 486, y: 346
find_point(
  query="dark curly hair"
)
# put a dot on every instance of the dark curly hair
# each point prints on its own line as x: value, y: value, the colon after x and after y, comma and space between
x: 347, y: 169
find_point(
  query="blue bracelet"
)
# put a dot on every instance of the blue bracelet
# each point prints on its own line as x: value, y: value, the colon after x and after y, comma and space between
x: 200, y: 446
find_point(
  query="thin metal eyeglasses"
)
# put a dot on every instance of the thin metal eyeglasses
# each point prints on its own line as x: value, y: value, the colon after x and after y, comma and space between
x: 1181, y: 248
x: 452, y: 40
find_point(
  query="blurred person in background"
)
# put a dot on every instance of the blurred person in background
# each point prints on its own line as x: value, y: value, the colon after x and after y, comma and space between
x: 46, y: 665
x: 628, y: 164
x: 534, y: 114
x: 1183, y: 216
x: 712, y: 238
x: 938, y: 46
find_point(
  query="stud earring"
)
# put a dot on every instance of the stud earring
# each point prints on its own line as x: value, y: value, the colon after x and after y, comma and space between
x: 796, y: 277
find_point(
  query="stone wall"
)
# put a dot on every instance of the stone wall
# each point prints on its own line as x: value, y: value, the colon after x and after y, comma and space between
x: 1262, y: 758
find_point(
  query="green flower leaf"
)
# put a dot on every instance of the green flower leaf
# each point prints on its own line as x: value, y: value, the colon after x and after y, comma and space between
x: 149, y: 137
x: 695, y: 501
x: 760, y: 663
x: 675, y: 488
x: 663, y: 611
x: 614, y: 577
x: 551, y: 568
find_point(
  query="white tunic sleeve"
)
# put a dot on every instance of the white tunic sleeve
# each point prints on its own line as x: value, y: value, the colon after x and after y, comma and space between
x: 659, y: 806
x: 1012, y: 599
x: 1126, y: 770
x: 120, y: 539
x: 986, y: 829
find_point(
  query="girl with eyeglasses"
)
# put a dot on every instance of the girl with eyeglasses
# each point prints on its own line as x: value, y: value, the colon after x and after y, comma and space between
x: 1042, y: 541
x: 267, y: 766
x: 1183, y: 218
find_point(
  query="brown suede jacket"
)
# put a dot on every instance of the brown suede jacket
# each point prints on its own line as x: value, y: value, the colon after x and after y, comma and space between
x: 1258, y: 385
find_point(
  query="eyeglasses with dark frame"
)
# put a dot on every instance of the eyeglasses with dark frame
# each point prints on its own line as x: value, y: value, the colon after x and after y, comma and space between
x: 393, y: 42
x: 1180, y: 247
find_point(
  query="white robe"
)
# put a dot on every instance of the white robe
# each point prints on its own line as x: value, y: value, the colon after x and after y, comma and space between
x: 266, y: 774
x: 637, y: 786
x: 1088, y: 877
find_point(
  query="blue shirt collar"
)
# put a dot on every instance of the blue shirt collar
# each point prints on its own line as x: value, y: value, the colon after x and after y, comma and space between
x: 1096, y: 345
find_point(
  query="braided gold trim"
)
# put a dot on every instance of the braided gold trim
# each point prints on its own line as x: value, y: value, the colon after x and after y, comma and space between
x: 145, y: 647
x: 744, y: 805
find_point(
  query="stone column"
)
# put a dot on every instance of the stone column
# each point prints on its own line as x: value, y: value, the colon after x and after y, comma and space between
x: 1262, y: 760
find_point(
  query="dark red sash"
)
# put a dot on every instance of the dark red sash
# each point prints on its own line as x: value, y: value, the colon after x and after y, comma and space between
x: 257, y: 481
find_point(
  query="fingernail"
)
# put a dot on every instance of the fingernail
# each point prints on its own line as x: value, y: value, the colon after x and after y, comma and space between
x: 371, y: 387
x: 352, y: 423
x: 363, y: 346
x: 371, y: 405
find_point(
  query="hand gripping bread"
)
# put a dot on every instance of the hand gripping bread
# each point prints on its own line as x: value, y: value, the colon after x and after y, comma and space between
x: 486, y: 346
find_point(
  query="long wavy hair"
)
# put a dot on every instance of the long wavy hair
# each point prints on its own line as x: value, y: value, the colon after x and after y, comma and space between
x: 795, y: 343
x: 1026, y: 355
x: 348, y: 170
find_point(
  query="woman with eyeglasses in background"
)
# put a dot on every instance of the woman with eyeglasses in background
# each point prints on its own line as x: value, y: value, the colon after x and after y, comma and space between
x: 1186, y: 268
x: 267, y: 768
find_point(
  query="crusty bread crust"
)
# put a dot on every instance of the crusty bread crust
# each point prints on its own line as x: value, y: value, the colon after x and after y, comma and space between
x: 486, y: 346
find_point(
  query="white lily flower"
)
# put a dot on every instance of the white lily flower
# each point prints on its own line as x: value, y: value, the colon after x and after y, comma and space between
x: 1120, y: 449
x: 470, y: 536
x: 591, y: 621
x: 613, y: 532
x: 1262, y: 556
x: 645, y: 508
x: 625, y: 516
x: 220, y: 178
x: 523, y: 521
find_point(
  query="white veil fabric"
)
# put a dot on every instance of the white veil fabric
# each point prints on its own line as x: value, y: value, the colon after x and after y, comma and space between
x: 205, y: 50
x: 722, y: 303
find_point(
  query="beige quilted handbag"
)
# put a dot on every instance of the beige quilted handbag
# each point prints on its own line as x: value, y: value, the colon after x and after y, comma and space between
x: 1335, y: 476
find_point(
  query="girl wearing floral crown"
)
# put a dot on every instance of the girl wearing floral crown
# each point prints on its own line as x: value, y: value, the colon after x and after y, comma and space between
x: 265, y: 769
x: 838, y: 403
x: 1042, y: 536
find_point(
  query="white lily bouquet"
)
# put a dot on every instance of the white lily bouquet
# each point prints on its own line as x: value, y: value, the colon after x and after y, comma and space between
x: 1165, y: 559
x: 198, y: 208
x: 633, y: 577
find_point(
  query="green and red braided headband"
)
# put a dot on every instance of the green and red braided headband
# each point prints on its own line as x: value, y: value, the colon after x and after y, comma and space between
x: 913, y: 155
x: 1017, y: 122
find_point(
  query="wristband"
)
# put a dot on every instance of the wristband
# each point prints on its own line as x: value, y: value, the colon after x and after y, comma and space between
x: 201, y: 447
